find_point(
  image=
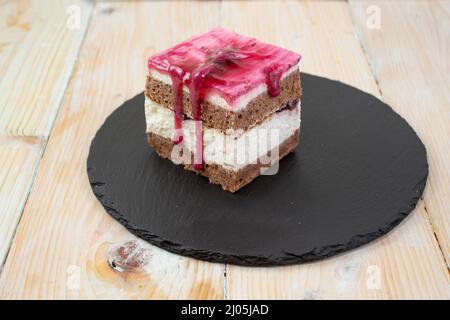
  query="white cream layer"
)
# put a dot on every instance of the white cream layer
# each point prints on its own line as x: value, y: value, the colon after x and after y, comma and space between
x: 232, y: 150
x: 218, y: 100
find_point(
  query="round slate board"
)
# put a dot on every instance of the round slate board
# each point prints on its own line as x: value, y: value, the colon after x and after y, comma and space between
x: 359, y: 170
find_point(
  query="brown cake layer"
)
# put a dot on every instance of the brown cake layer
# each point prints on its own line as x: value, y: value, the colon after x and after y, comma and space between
x: 219, y: 118
x: 229, y: 180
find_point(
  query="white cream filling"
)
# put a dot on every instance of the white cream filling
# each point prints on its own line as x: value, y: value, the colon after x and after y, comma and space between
x: 218, y: 100
x: 234, y: 149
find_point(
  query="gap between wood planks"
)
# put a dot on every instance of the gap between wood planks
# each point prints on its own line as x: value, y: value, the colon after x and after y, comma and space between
x: 43, y: 141
x: 372, y: 70
x: 435, y: 235
x: 27, y: 140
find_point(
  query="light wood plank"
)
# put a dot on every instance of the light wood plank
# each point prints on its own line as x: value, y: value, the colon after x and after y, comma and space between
x: 65, y: 237
x: 19, y: 160
x: 37, y: 54
x: 410, y: 61
x: 405, y: 264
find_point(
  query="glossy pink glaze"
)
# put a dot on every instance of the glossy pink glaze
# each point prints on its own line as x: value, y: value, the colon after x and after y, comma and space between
x: 223, y: 62
x: 242, y: 63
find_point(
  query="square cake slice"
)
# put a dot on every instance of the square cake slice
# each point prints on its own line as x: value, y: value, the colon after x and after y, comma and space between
x: 224, y: 105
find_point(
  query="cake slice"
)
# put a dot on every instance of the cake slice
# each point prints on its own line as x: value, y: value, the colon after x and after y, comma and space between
x: 224, y: 105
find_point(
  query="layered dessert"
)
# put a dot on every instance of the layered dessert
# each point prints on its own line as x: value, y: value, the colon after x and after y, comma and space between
x: 224, y: 105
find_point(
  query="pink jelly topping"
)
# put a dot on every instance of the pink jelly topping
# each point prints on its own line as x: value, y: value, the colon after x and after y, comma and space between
x: 222, y: 62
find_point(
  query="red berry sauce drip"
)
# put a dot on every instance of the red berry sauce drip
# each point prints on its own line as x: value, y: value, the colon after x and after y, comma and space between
x: 200, y: 82
x: 273, y: 79
x: 223, y: 62
x: 196, y: 94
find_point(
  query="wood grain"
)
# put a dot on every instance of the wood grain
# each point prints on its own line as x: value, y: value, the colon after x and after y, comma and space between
x: 407, y: 263
x: 19, y: 159
x: 37, y: 54
x: 65, y: 239
x: 412, y: 68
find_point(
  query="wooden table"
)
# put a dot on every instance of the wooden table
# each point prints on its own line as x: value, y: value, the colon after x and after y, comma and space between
x: 65, y: 65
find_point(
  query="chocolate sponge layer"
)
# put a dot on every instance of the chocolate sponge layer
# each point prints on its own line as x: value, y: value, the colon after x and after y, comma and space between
x: 219, y: 118
x: 229, y: 180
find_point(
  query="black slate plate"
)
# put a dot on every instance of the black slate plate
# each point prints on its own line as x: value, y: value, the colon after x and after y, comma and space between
x: 359, y: 170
